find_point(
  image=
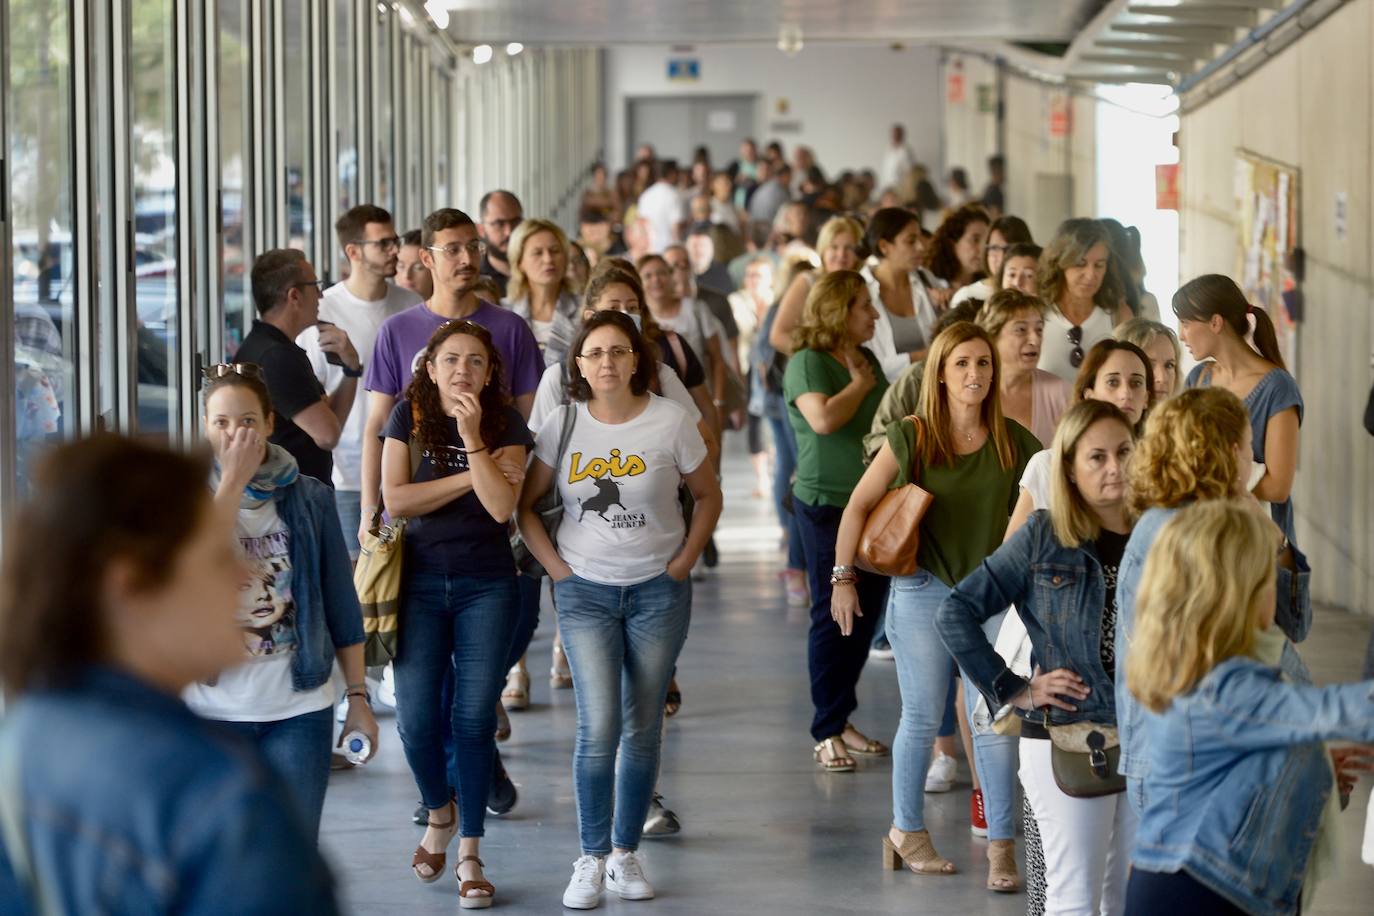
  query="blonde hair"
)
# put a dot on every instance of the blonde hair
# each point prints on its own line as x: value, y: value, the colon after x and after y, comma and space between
x: 825, y: 317
x: 938, y: 443
x: 833, y: 227
x: 1074, y: 522
x: 1196, y: 602
x: 1143, y: 332
x: 517, y: 288
x: 1188, y: 451
x: 1003, y: 306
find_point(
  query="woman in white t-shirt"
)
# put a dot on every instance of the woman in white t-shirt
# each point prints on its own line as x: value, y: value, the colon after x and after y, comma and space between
x: 621, y: 569
x: 299, y: 611
x: 1084, y: 294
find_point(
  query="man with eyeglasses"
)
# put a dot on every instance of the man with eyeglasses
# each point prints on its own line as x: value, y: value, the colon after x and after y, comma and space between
x: 307, y: 422
x: 501, y: 213
x: 357, y: 306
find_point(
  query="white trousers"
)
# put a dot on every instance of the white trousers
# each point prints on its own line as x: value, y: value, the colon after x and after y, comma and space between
x: 1087, y: 841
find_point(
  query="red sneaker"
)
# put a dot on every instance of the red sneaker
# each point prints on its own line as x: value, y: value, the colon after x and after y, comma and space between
x: 978, y: 820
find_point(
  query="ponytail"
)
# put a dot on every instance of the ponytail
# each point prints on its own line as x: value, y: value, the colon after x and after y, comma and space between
x: 1214, y: 294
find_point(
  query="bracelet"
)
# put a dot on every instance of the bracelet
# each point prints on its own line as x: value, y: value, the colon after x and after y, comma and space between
x: 474, y: 451
x: 844, y: 575
x: 353, y: 373
x: 361, y: 694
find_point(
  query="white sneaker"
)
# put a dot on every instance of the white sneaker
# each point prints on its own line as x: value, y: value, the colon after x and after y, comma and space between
x: 940, y: 776
x: 625, y: 876
x: 385, y: 694
x: 584, y: 890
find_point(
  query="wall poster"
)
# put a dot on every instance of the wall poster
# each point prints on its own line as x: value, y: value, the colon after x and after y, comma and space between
x: 1267, y: 206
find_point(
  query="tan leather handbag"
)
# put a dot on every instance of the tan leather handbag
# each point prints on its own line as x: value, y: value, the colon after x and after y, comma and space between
x: 892, y: 531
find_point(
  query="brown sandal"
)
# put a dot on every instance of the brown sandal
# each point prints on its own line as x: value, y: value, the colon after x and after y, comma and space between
x: 917, y: 853
x: 1002, y: 874
x: 473, y: 903
x: 833, y: 756
x: 434, y: 861
x: 868, y: 747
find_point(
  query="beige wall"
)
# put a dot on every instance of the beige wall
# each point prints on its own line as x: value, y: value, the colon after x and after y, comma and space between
x: 1311, y: 107
x: 1048, y: 178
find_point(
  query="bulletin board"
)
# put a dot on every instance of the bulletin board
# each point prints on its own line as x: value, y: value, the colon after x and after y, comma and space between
x: 1267, y: 206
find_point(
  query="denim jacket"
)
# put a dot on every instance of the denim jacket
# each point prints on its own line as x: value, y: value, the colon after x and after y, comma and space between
x: 1238, y: 778
x: 328, y: 616
x: 1059, y: 593
x: 128, y: 803
x: 1293, y: 615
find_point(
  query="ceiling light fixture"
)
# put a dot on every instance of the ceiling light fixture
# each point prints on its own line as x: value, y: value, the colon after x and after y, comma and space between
x: 790, y: 38
x: 438, y: 12
x: 481, y: 54
x: 514, y: 48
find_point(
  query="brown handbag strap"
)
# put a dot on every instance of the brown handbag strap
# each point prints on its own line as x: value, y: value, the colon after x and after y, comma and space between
x: 914, y: 472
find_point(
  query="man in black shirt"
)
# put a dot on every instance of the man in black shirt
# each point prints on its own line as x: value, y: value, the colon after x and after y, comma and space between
x: 305, y: 422
x: 501, y: 212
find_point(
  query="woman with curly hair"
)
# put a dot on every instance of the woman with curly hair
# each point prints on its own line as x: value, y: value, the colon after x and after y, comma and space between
x: 452, y: 462
x: 955, y: 252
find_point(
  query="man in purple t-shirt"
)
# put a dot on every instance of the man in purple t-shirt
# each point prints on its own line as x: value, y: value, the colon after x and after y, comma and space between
x: 453, y: 253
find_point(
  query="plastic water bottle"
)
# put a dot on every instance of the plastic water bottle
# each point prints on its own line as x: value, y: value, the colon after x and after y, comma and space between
x: 357, y: 747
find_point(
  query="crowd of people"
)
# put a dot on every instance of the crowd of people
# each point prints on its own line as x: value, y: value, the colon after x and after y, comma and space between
x: 1096, y: 608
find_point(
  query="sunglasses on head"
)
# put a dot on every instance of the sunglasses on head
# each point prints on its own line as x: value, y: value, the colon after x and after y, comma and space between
x: 220, y: 370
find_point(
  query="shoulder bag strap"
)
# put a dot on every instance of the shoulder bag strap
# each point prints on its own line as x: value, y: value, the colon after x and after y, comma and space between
x: 914, y: 473
x: 675, y: 345
x: 565, y: 434
x: 415, y: 458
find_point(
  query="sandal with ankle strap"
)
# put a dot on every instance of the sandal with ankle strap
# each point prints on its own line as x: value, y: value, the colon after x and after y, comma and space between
x: 832, y: 756
x: 473, y: 903
x: 1003, y: 878
x: 870, y: 747
x: 434, y: 861
x: 917, y: 853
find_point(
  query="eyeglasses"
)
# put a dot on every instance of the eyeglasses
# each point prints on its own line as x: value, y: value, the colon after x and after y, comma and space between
x: 616, y: 354
x: 318, y: 284
x: 220, y: 370
x: 474, y: 249
x: 1001, y: 249
x: 1076, y: 354
x: 391, y: 244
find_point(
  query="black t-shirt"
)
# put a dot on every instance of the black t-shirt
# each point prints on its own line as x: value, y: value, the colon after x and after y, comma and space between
x: 720, y: 308
x: 489, y: 270
x: 717, y: 279
x: 1110, y: 547
x: 292, y: 384
x: 689, y: 368
x: 460, y: 537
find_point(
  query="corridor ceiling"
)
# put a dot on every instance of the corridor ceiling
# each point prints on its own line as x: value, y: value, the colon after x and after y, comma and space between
x: 609, y: 22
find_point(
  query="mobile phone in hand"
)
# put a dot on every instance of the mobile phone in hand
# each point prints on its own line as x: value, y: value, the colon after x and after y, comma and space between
x: 333, y: 359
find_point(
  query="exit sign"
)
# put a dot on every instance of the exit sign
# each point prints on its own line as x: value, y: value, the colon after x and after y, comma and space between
x: 684, y: 69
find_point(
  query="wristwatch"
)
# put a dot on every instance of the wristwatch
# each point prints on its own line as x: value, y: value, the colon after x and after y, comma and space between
x: 353, y: 373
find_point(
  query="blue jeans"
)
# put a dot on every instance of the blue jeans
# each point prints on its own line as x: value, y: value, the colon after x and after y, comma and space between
x: 458, y: 625
x: 834, y: 660
x: 622, y: 643
x: 529, y: 587
x: 997, y: 758
x: 923, y: 675
x: 785, y: 442
x: 349, y: 504
x: 298, y: 749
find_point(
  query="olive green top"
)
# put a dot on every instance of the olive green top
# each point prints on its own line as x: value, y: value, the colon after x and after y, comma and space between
x: 829, y: 466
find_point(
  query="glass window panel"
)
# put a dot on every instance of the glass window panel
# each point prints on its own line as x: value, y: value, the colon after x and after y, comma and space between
x: 152, y: 72
x: 40, y: 182
x: 234, y: 66
x: 299, y: 180
x: 441, y: 97
x: 345, y: 103
x: 384, y: 189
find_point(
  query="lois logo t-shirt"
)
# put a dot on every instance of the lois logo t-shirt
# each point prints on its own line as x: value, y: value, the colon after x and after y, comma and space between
x: 622, y: 521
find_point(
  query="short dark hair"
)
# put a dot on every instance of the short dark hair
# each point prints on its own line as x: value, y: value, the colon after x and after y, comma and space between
x: 441, y: 219
x: 887, y: 224
x: 351, y: 226
x: 412, y: 237
x: 997, y: 162
x: 275, y: 273
x: 646, y: 368
x: 487, y: 198
x: 593, y: 215
x: 97, y: 501
x: 1023, y: 250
